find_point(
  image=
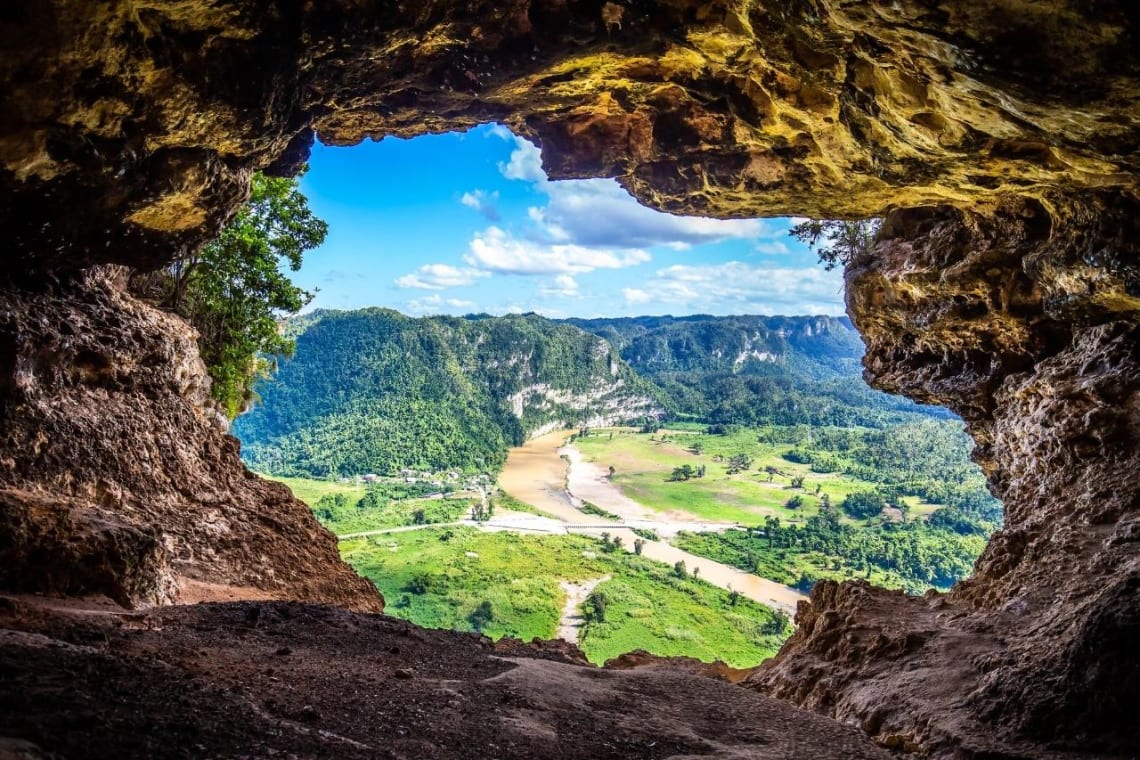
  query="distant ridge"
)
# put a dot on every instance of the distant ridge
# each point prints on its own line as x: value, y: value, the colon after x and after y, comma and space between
x: 374, y: 390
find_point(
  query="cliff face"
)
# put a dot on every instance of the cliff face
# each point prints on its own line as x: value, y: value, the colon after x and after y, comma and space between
x: 1025, y: 324
x: 116, y: 477
x: 1004, y: 133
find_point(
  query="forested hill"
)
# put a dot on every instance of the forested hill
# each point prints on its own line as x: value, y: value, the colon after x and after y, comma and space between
x: 376, y: 391
x: 755, y: 370
x: 810, y: 347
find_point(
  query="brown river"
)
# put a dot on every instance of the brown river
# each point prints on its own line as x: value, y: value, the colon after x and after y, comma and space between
x: 537, y: 474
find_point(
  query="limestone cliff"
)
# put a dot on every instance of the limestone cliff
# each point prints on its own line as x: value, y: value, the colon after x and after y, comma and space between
x: 1003, y: 134
x: 116, y: 476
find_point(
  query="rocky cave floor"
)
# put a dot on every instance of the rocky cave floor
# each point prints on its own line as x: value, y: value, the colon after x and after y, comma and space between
x: 277, y: 679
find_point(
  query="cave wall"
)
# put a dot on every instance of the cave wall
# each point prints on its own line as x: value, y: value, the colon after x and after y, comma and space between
x: 1024, y: 321
x: 116, y: 475
x: 1001, y: 135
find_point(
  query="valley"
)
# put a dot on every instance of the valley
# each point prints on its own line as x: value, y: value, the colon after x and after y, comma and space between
x: 754, y: 466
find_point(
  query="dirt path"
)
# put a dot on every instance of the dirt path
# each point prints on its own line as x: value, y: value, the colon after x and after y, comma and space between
x: 570, y: 627
x: 537, y: 474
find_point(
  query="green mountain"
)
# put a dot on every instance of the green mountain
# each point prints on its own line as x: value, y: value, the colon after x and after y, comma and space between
x: 753, y: 370
x: 804, y: 347
x: 376, y: 391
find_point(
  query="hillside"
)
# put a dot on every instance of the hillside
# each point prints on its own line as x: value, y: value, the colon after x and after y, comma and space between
x: 755, y: 370
x: 376, y: 391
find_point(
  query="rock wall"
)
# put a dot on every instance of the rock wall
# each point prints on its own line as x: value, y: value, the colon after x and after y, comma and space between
x: 1004, y: 133
x: 116, y: 476
x: 1025, y: 322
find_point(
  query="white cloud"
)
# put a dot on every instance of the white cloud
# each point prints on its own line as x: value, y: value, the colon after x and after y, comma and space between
x: 736, y: 287
x: 437, y: 304
x: 600, y: 213
x: 563, y: 286
x: 635, y: 296
x: 439, y: 277
x: 495, y: 250
x: 524, y: 164
x: 483, y: 202
x: 773, y: 248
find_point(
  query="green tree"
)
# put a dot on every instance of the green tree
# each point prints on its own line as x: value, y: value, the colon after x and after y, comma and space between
x: 419, y: 584
x: 739, y: 463
x: 684, y: 472
x: 482, y: 614
x: 838, y: 242
x: 233, y: 290
x: 863, y: 504
x: 777, y: 624
x: 596, y: 607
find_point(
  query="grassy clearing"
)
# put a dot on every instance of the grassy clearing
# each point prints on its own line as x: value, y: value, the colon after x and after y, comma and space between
x: 351, y: 508
x: 648, y: 607
x: 310, y: 491
x: 440, y: 578
x: 643, y: 463
x: 503, y: 500
x: 393, y: 514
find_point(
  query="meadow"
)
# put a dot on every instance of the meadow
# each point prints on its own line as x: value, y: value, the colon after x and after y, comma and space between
x: 789, y: 491
x: 503, y: 584
x: 354, y: 508
x: 644, y: 462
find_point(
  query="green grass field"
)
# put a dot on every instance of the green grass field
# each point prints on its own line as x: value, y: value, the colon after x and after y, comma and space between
x: 438, y: 578
x: 644, y: 461
x: 346, y: 517
x: 310, y: 491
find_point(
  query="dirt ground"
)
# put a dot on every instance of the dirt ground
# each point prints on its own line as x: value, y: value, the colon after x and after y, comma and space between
x: 277, y: 679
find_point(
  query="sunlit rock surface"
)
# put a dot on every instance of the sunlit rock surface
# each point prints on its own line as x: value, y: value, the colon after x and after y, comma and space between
x: 1003, y: 135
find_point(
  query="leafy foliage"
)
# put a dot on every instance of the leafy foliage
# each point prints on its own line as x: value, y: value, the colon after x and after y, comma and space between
x: 375, y: 391
x: 911, y: 556
x: 863, y: 504
x: 233, y: 290
x: 838, y: 241
x: 389, y: 506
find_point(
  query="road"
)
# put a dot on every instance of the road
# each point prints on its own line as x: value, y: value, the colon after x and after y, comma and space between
x: 556, y: 479
x: 537, y: 474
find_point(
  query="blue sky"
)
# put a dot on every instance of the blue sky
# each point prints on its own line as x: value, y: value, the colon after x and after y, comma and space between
x: 461, y: 223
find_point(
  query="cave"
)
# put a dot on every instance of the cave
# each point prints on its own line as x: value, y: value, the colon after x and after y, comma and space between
x: 1000, y: 138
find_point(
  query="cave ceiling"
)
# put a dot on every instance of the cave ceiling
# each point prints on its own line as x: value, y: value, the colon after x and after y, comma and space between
x: 130, y: 129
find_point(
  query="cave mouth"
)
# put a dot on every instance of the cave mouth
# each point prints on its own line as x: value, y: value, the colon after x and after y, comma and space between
x: 1004, y: 286
x: 469, y: 225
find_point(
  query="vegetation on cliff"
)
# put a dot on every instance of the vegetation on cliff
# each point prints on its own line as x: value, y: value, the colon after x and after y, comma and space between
x: 233, y: 290
x: 751, y: 370
x: 374, y: 391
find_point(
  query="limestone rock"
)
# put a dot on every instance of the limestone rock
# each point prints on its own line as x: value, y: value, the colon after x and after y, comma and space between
x: 116, y: 477
x: 1002, y: 135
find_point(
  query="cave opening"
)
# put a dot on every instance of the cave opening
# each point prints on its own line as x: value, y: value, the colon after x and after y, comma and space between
x: 1003, y: 286
x: 751, y: 452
